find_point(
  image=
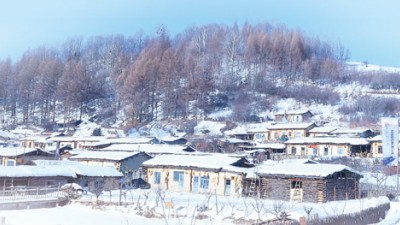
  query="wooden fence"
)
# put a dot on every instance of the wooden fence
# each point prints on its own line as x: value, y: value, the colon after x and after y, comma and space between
x: 30, y: 193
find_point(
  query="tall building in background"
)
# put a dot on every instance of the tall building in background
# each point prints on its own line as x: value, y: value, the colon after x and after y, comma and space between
x: 390, y: 139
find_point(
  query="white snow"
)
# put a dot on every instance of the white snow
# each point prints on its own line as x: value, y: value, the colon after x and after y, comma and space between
x: 212, y: 128
x: 16, y: 151
x: 208, y: 161
x: 153, y: 149
x: 363, y: 67
x: 35, y: 171
x: 104, y: 155
x: 81, y: 169
x: 298, y: 169
x: 182, y: 208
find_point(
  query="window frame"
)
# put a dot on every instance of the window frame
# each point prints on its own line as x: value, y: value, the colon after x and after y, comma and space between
x: 157, y: 178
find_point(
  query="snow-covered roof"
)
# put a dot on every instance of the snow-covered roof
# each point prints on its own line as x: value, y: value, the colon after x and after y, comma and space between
x: 104, y: 155
x: 378, y: 138
x: 73, y: 138
x: 281, y: 126
x: 350, y: 130
x: 16, y: 151
x: 293, y: 112
x: 206, y: 161
x: 266, y: 146
x: 323, y: 129
x: 328, y: 140
x: 81, y: 169
x: 236, y: 130
x: 8, y: 135
x: 308, y: 170
x: 148, y: 148
x: 35, y: 171
x: 37, y: 139
x: 234, y: 140
x: 125, y: 140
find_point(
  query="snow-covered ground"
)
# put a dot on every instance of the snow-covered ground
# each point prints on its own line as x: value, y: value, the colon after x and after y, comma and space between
x: 160, y: 208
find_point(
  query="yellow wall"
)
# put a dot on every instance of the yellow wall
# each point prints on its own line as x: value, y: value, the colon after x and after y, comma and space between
x: 332, y: 149
x: 216, y: 181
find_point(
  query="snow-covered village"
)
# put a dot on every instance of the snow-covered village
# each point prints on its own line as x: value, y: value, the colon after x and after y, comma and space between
x: 200, y: 113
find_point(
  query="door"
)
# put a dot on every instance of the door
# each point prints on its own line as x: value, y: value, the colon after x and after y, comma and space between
x: 195, y: 187
x: 227, y: 187
x: 181, y: 181
x: 296, y: 191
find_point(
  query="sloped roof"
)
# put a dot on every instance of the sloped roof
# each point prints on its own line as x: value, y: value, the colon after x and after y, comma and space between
x: 148, y: 148
x: 35, y: 171
x: 266, y: 146
x: 104, y: 155
x: 81, y: 169
x: 17, y: 151
x: 206, y: 161
x: 281, y: 126
x: 328, y: 140
x: 293, y: 112
x: 304, y: 170
x: 323, y: 129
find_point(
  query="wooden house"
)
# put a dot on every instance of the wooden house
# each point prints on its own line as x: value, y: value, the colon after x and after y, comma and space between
x: 376, y: 146
x: 327, y: 146
x: 232, y: 144
x: 207, y: 173
x: 32, y: 176
x: 309, y: 182
x: 284, y: 131
x: 129, y: 163
x: 19, y: 156
x: 86, y: 176
x: 33, y: 142
x: 261, y: 152
x: 75, y: 142
x: 293, y: 116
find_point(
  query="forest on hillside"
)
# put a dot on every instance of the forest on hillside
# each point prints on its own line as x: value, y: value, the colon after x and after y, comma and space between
x: 189, y: 75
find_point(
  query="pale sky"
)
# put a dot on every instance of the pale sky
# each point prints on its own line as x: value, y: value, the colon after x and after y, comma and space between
x: 369, y: 28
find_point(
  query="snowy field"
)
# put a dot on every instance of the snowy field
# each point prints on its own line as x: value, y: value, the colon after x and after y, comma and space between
x: 160, y: 208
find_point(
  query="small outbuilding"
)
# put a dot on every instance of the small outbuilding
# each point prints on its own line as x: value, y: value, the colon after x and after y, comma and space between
x: 308, y: 182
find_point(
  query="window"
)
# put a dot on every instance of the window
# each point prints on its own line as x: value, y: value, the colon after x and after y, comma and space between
x: 177, y: 174
x: 293, y: 150
x: 204, y: 182
x: 303, y: 151
x: 296, y: 184
x: 157, y: 177
x: 341, y: 175
x: 10, y: 162
x: 380, y: 150
x: 326, y: 151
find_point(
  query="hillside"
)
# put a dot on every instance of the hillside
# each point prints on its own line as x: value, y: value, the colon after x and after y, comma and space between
x: 219, y: 72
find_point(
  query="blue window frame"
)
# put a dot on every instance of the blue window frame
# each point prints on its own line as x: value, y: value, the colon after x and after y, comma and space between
x: 204, y: 182
x: 157, y: 177
x: 177, y: 174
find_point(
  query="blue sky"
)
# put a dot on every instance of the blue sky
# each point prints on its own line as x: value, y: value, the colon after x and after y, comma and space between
x: 369, y: 28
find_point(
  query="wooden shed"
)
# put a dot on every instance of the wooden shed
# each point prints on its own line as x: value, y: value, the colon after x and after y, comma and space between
x: 308, y: 182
